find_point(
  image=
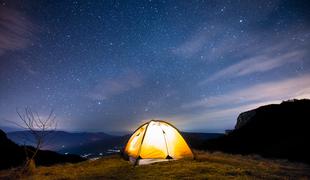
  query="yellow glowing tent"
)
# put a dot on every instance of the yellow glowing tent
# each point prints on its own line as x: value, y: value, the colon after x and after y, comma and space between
x: 157, y: 140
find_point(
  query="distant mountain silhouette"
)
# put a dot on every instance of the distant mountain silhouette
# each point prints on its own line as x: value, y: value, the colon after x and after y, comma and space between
x: 117, y: 143
x: 59, y: 140
x: 94, y: 144
x: 12, y: 155
x: 196, y: 140
x: 105, y: 146
x: 8, y: 129
x: 276, y: 130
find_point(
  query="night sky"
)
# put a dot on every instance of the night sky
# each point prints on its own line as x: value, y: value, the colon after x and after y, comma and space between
x: 111, y: 65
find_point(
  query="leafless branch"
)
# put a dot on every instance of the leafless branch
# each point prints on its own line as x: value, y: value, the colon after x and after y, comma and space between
x: 38, y: 127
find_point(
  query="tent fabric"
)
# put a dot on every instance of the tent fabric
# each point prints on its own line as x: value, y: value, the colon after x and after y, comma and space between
x: 135, y: 142
x: 157, y: 139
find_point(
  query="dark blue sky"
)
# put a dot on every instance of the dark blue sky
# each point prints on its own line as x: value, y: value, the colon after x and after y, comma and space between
x: 110, y: 65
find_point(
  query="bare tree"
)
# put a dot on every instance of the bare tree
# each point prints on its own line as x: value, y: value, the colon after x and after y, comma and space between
x: 38, y: 127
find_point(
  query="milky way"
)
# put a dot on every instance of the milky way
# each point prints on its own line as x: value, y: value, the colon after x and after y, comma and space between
x: 110, y: 65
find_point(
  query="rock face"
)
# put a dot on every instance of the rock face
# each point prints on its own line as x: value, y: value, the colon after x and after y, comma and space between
x: 12, y: 155
x: 244, y: 118
x: 277, y: 130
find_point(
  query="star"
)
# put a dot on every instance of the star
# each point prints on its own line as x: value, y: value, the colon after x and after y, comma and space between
x: 143, y: 59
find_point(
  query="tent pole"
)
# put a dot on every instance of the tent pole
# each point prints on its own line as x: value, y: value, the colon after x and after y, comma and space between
x: 145, y: 131
x: 164, y: 134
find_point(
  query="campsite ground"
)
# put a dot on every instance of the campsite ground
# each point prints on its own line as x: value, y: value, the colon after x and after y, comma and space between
x: 206, y: 166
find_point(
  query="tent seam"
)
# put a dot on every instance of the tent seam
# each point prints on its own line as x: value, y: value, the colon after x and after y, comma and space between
x: 164, y: 134
x: 145, y: 131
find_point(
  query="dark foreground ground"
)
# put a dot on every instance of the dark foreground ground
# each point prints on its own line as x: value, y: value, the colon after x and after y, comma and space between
x: 206, y: 166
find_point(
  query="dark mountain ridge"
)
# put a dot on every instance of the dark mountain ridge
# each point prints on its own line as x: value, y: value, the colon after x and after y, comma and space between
x: 276, y: 130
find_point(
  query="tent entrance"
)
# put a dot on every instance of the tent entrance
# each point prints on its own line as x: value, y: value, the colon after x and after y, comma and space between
x: 147, y: 161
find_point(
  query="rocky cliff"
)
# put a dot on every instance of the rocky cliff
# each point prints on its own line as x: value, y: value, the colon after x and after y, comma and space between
x: 276, y: 130
x: 244, y: 118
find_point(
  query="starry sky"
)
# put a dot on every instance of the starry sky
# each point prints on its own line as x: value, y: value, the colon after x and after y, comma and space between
x: 111, y: 65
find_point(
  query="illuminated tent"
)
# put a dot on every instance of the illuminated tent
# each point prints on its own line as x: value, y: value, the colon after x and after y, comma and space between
x: 155, y: 141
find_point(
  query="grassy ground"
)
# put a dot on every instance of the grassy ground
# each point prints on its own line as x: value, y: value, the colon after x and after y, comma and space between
x: 206, y: 166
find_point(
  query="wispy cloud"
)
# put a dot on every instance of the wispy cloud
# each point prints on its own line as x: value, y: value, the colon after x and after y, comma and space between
x: 194, y: 45
x: 297, y: 87
x: 215, y: 38
x: 16, y: 30
x: 221, y: 111
x: 208, y: 42
x: 237, y: 49
x: 259, y: 63
x: 108, y: 88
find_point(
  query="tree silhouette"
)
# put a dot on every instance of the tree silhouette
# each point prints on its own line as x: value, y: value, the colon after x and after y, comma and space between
x: 39, y: 127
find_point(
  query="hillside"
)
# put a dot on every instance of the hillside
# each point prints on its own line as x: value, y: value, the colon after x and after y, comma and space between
x: 276, y: 130
x: 12, y: 155
x: 206, y: 166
